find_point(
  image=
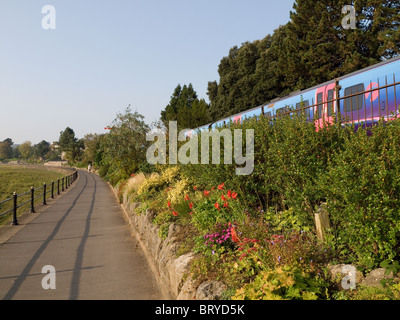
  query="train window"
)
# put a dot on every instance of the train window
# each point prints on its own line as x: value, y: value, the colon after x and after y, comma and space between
x: 268, y: 114
x: 305, y: 105
x: 319, y: 105
x: 356, y: 102
x: 330, y: 104
x: 280, y: 111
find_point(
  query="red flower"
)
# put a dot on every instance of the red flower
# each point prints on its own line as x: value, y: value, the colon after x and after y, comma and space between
x: 191, y: 205
x: 223, y: 198
x: 234, y: 235
x: 229, y: 194
x: 132, y: 175
x: 175, y: 213
x: 169, y: 204
x: 191, y: 213
x: 226, y: 205
x: 194, y: 188
x: 206, y: 193
x: 217, y: 206
x: 234, y: 195
x: 187, y: 198
x: 221, y: 186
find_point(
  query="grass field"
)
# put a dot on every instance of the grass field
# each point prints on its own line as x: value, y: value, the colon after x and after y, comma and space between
x: 20, y: 180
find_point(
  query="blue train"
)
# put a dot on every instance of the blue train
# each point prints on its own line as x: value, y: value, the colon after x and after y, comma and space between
x: 361, y: 98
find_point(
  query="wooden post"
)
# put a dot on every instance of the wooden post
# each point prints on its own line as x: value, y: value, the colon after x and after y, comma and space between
x: 322, y: 222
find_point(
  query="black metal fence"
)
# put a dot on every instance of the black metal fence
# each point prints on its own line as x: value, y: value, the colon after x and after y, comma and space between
x: 363, y: 107
x: 31, y: 198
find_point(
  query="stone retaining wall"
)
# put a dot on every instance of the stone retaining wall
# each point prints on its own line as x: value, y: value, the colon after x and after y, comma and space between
x: 161, y: 255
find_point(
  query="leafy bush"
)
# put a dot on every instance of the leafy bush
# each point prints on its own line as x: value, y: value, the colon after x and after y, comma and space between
x: 156, y: 182
x: 289, y: 155
x: 283, y: 283
x: 362, y: 186
x: 217, y: 205
x: 296, y: 169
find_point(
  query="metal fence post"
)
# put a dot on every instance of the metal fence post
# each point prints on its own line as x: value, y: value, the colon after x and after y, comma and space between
x: 14, y: 218
x: 32, y: 199
x: 58, y: 186
x: 52, y: 189
x: 62, y: 184
x: 44, y: 194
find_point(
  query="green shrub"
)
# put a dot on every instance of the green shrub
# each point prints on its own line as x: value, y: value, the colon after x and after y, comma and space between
x: 217, y: 206
x: 362, y: 186
x: 103, y: 170
x: 298, y: 168
x: 290, y: 157
x: 283, y: 283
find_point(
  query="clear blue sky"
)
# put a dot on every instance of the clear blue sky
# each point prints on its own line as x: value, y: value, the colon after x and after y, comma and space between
x: 104, y: 55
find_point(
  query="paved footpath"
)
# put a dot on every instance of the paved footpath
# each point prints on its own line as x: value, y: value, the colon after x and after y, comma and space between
x: 85, y: 237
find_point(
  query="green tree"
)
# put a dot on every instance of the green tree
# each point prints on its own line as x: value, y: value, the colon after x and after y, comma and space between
x: 6, y: 151
x: 91, y: 143
x: 41, y: 149
x: 235, y: 90
x: 125, y: 146
x: 185, y: 108
x: 26, y: 150
x: 71, y: 145
x: 379, y: 21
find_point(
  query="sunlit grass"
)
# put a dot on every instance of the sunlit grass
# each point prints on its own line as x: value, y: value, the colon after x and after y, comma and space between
x: 20, y: 180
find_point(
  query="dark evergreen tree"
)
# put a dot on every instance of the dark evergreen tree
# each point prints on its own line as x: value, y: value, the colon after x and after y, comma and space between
x: 70, y: 144
x: 6, y: 150
x: 41, y: 149
x: 185, y: 108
